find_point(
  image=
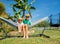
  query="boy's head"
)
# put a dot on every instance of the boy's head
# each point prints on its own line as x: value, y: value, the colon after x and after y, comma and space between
x: 20, y: 20
x: 27, y: 17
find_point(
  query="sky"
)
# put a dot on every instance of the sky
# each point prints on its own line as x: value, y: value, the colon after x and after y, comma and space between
x: 43, y: 8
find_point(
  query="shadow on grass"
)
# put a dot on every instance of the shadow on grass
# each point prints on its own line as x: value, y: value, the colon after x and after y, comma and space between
x: 40, y: 35
x: 36, y: 35
x: 9, y: 37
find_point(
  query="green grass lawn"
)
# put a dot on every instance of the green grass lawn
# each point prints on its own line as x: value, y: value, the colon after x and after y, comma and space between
x: 54, y: 38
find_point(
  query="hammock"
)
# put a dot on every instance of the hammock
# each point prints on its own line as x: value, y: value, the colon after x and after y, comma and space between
x: 14, y: 23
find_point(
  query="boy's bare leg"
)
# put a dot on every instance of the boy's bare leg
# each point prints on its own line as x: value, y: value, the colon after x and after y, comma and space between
x: 19, y: 28
x: 23, y: 32
x: 26, y: 30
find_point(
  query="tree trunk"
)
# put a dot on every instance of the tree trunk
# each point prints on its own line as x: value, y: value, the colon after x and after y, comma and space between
x: 23, y: 14
x: 30, y: 14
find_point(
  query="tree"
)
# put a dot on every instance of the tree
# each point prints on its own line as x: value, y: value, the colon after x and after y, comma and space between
x: 22, y: 5
x: 2, y: 8
x: 43, y: 24
x: 2, y: 11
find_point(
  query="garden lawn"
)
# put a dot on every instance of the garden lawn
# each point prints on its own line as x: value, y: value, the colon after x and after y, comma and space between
x: 54, y: 38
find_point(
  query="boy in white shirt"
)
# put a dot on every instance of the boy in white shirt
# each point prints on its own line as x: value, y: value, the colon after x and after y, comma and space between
x: 21, y: 26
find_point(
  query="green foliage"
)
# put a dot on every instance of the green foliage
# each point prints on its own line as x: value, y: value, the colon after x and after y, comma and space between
x: 2, y: 7
x: 2, y: 10
x: 23, y: 6
x: 42, y: 24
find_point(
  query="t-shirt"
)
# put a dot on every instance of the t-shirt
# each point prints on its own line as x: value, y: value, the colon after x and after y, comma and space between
x: 20, y: 26
x: 28, y: 22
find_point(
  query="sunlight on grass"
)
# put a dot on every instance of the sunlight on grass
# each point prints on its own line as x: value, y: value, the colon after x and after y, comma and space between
x: 54, y: 38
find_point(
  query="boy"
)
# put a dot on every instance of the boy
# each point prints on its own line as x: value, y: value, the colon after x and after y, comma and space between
x: 21, y: 26
x: 27, y: 23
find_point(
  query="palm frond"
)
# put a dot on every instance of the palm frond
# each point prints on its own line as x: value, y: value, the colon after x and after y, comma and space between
x: 32, y: 2
x: 25, y: 0
x: 32, y: 7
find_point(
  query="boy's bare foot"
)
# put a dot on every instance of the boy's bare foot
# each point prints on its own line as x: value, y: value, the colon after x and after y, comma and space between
x: 27, y: 37
x: 23, y: 37
x: 20, y: 31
